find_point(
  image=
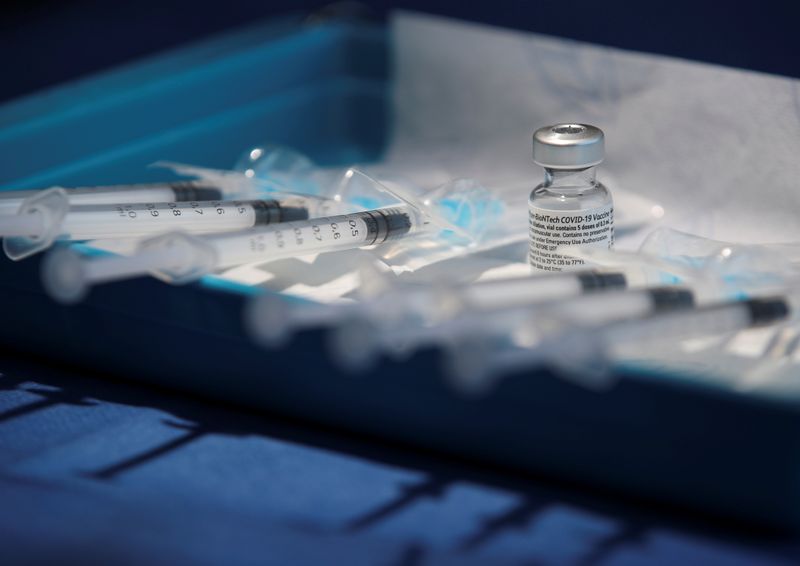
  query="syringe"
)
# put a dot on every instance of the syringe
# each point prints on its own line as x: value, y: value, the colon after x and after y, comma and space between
x: 355, y: 345
x: 177, y: 191
x: 586, y: 353
x: 47, y: 216
x: 390, y: 304
x: 179, y: 257
x: 714, y: 269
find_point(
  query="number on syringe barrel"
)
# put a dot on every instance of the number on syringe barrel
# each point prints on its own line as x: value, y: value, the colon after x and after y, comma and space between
x: 279, y: 238
x: 342, y: 231
x: 125, y: 211
x: 188, y: 213
x: 239, y: 209
x: 306, y: 236
x: 257, y: 244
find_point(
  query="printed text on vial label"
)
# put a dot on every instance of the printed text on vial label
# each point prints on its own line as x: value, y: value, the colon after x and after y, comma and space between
x: 550, y: 229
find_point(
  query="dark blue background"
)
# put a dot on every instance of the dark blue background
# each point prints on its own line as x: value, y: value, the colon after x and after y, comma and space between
x: 97, y: 471
x: 45, y: 42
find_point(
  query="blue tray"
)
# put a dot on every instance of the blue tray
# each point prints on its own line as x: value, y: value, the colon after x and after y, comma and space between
x: 325, y: 90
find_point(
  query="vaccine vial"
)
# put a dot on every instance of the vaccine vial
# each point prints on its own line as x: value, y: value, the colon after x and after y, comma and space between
x: 570, y: 208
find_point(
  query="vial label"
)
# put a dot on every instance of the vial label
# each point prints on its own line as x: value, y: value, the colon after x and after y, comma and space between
x: 550, y: 229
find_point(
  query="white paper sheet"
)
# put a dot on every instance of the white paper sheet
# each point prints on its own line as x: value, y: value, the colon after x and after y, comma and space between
x: 719, y: 147
x: 698, y: 147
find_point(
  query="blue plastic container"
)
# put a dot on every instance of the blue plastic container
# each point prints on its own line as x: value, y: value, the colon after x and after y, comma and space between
x: 325, y: 91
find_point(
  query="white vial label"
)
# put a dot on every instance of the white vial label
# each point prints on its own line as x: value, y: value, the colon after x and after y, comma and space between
x: 550, y: 229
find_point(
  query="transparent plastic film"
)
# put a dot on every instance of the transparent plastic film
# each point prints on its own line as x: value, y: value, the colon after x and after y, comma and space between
x: 741, y: 269
x: 233, y: 184
x: 274, y: 161
x: 297, y: 172
x: 278, y: 169
x: 465, y: 217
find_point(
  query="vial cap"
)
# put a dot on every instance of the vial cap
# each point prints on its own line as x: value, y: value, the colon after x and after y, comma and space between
x: 568, y: 146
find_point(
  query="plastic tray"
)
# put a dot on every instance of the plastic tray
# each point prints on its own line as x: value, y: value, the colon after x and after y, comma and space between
x: 325, y: 90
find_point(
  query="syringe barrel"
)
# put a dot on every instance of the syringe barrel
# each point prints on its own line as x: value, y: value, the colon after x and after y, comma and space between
x: 598, y: 309
x: 495, y: 306
x: 196, y: 217
x: 178, y: 191
x: 500, y: 293
x: 705, y: 321
x: 291, y: 239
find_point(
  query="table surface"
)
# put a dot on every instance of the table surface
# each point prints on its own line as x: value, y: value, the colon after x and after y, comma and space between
x: 102, y: 470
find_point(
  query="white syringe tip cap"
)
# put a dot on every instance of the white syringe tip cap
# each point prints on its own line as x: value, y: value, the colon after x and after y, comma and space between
x: 465, y: 369
x: 568, y: 146
x: 352, y: 346
x: 64, y: 276
x: 268, y: 320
